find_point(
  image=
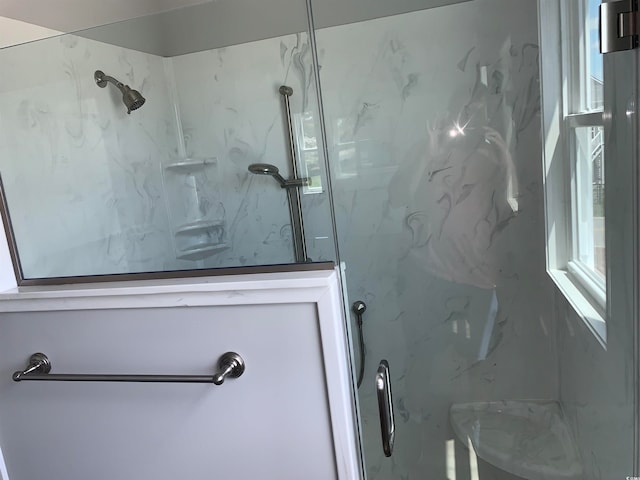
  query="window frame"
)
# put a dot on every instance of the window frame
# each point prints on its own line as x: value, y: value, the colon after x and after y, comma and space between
x: 583, y: 287
x: 303, y: 152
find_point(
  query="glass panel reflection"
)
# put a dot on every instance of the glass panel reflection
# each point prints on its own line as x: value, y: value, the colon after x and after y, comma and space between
x: 435, y: 152
x: 94, y: 190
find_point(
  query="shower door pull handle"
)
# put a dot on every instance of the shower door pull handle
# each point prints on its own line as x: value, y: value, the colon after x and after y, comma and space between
x: 385, y: 407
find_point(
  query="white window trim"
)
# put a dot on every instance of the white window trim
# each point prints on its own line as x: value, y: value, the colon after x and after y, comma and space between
x: 593, y: 317
x: 579, y: 285
x: 302, y: 151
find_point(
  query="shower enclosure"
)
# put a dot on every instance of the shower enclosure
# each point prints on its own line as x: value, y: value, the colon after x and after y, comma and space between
x: 450, y: 159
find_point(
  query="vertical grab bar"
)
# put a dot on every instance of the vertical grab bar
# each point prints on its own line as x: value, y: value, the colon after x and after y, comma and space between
x: 295, y: 205
x: 385, y: 407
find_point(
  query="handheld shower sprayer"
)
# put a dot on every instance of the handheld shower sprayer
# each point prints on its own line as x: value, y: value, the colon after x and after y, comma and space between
x: 272, y: 170
x: 268, y: 169
x: 132, y: 99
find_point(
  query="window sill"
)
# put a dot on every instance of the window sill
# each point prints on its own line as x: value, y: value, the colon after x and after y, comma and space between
x: 585, y: 307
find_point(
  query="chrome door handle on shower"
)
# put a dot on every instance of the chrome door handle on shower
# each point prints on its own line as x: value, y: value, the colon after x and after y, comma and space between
x: 231, y: 365
x: 385, y: 407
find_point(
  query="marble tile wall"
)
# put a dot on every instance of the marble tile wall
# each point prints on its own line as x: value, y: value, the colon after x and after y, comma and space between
x: 434, y: 145
x: 230, y: 108
x: 596, y: 389
x: 599, y: 383
x: 83, y: 178
x: 93, y: 190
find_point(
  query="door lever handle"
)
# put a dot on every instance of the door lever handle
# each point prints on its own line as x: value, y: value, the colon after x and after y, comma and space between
x: 385, y: 408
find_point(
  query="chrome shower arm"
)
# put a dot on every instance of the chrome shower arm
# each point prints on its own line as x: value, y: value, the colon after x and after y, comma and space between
x: 272, y: 170
x: 101, y: 80
x: 292, y: 183
x: 280, y: 179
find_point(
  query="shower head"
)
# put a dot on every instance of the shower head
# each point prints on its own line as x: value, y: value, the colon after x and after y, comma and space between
x: 132, y: 99
x: 263, y: 169
x: 268, y: 169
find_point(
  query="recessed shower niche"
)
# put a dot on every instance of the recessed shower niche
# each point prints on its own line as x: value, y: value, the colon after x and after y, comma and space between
x: 197, y: 216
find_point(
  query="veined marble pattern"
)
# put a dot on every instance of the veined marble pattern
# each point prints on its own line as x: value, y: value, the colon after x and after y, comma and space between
x: 83, y: 178
x: 446, y: 256
x: 528, y: 438
x: 92, y: 190
x: 230, y: 108
x: 433, y: 126
x: 435, y: 154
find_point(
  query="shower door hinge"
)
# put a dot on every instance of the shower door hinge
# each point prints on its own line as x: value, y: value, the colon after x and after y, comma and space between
x: 619, y: 26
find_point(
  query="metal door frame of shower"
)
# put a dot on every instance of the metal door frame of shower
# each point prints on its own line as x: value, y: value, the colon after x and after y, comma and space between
x: 622, y: 144
x: 323, y: 149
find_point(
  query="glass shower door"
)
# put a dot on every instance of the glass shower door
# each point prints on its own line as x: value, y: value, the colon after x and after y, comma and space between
x: 433, y: 119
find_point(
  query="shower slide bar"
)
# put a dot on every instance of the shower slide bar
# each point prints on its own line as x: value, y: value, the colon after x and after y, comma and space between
x: 292, y: 185
x: 295, y: 205
x: 231, y: 365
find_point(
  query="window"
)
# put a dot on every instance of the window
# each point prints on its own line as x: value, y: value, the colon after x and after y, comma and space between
x: 307, y: 142
x: 575, y: 189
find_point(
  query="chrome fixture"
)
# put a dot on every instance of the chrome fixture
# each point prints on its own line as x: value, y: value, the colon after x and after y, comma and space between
x: 292, y: 185
x: 295, y: 206
x: 132, y: 99
x: 231, y: 365
x: 619, y: 26
x: 272, y: 170
x: 359, y: 307
x: 385, y: 408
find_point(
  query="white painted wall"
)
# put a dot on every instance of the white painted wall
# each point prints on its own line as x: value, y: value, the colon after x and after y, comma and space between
x: 14, y: 32
x: 289, y: 416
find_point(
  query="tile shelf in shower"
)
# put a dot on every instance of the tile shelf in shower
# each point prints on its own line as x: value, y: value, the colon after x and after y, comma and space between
x: 190, y: 165
x: 199, y: 226
x: 200, y: 251
x: 527, y: 438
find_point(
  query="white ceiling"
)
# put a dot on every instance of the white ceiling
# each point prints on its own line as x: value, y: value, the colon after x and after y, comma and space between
x: 74, y: 15
x: 14, y: 32
x: 164, y: 27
